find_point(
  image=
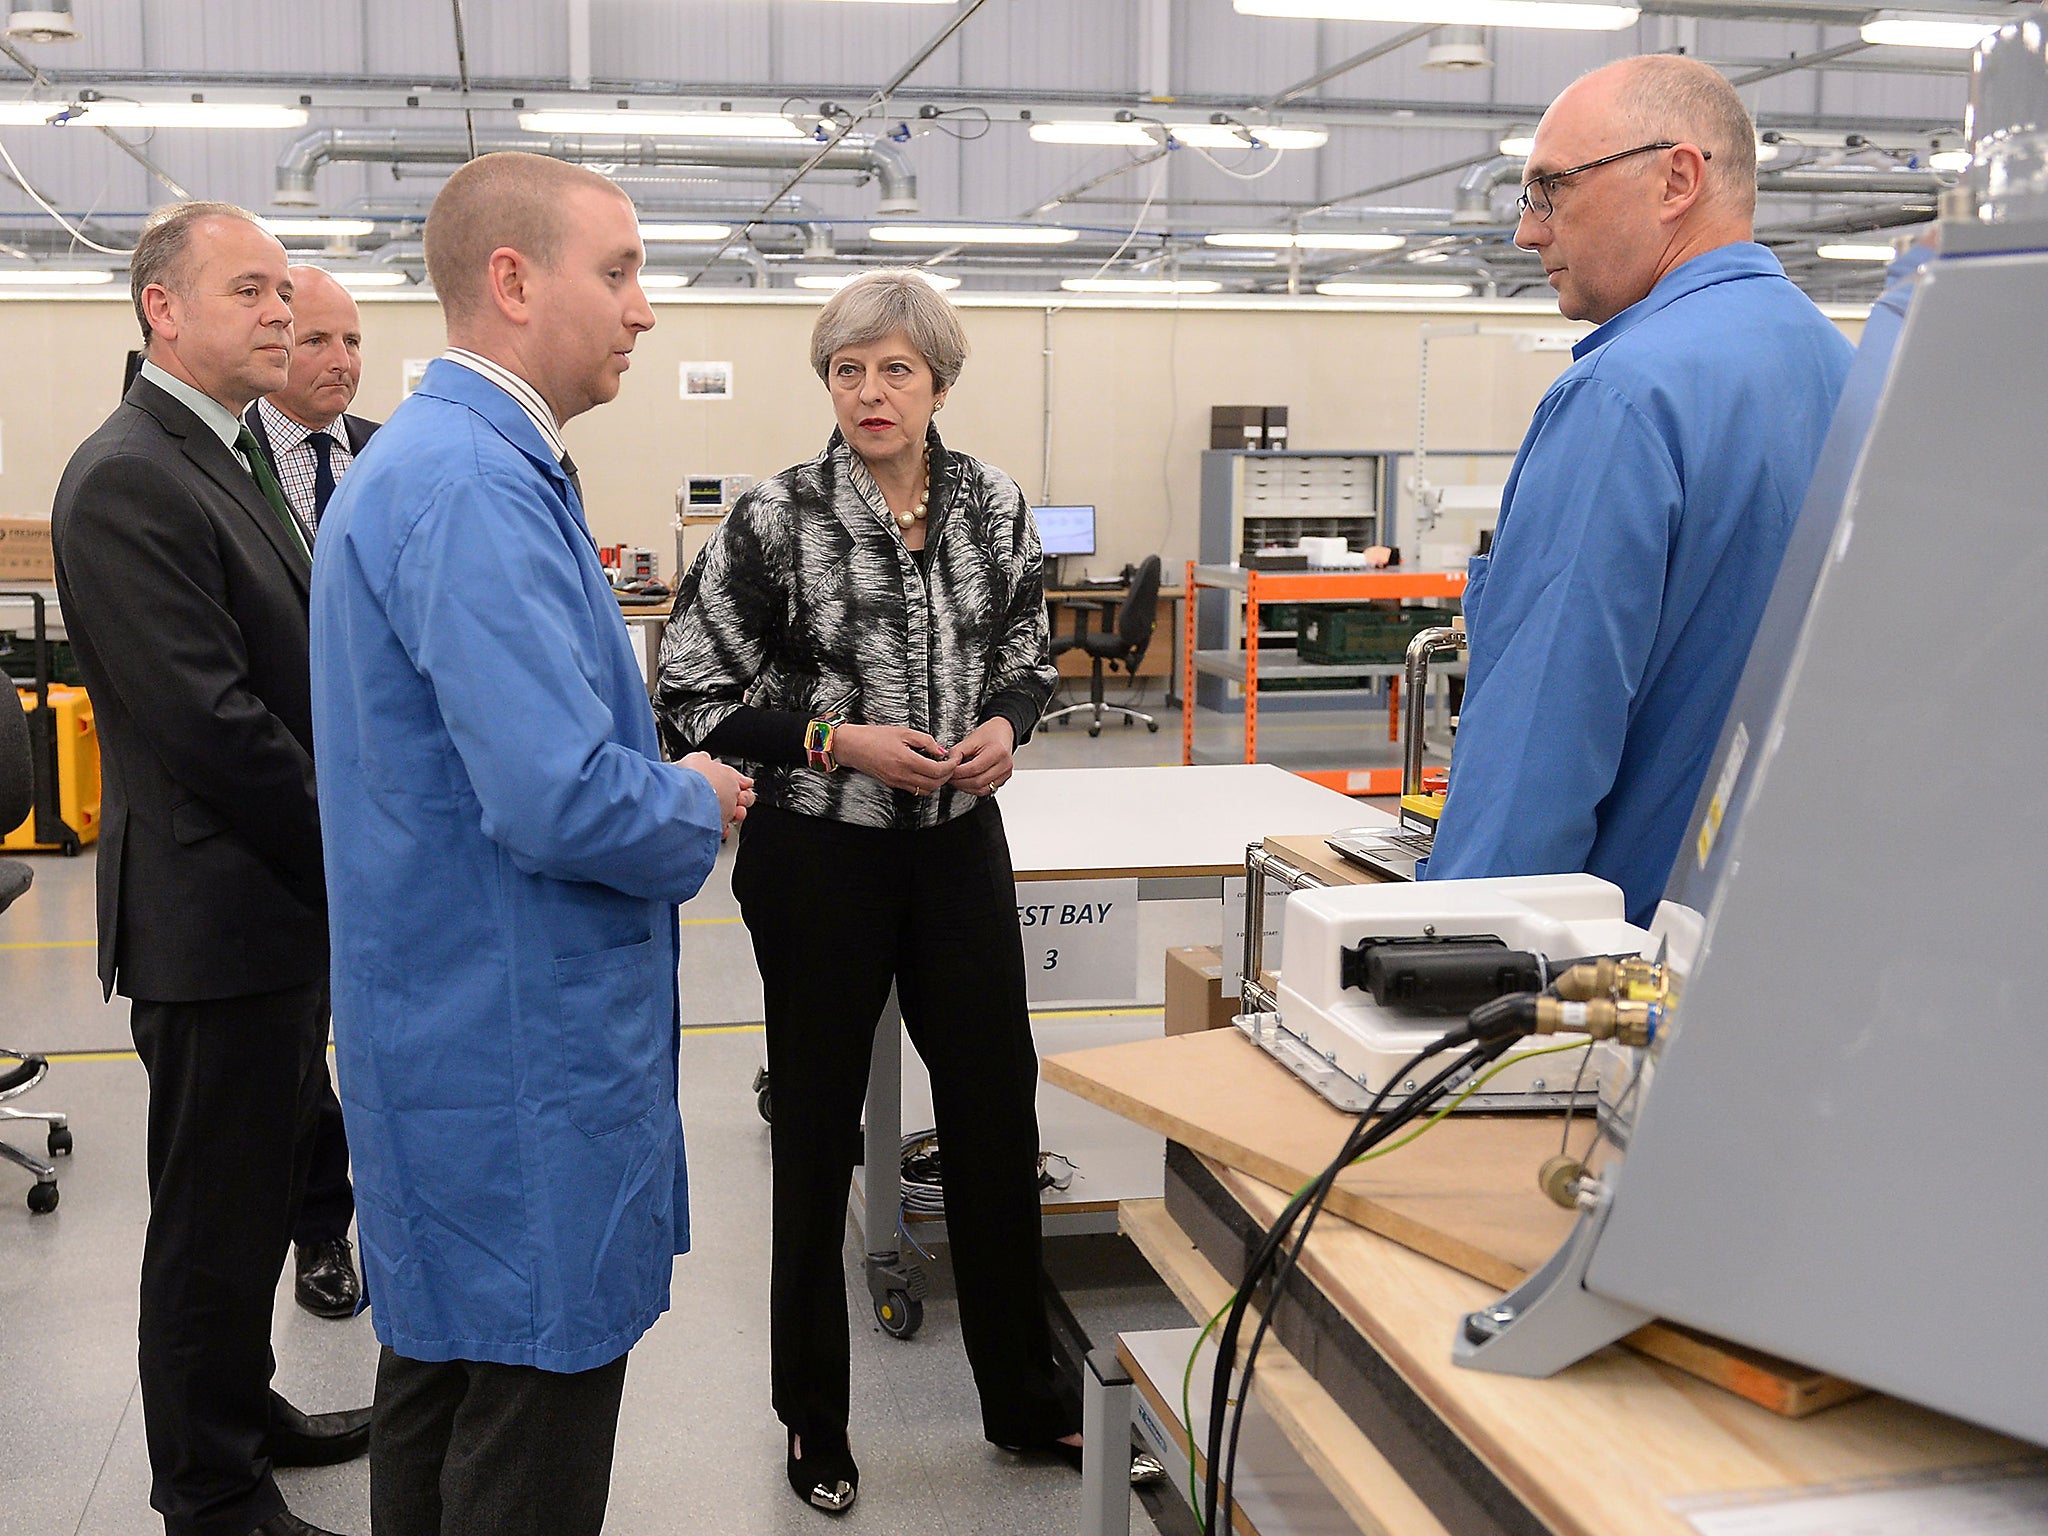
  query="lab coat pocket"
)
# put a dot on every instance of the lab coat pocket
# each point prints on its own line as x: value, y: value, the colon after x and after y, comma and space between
x: 615, y: 1023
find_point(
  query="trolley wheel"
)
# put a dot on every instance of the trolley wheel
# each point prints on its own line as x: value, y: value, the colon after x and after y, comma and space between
x: 900, y: 1314
x: 42, y: 1198
x: 762, y: 1102
x: 60, y: 1140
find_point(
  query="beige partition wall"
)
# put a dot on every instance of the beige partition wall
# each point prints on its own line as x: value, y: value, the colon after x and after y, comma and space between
x: 1129, y: 392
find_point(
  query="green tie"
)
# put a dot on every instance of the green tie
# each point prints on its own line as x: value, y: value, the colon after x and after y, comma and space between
x: 273, y: 493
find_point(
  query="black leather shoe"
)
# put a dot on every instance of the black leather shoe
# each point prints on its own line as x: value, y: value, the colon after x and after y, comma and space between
x: 289, y: 1524
x: 825, y: 1476
x: 315, y: 1439
x: 327, y: 1284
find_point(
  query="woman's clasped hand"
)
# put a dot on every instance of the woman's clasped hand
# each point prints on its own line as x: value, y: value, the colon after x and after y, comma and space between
x: 979, y: 764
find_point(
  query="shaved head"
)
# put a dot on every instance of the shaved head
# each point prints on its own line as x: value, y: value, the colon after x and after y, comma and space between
x: 1660, y: 96
x: 496, y: 202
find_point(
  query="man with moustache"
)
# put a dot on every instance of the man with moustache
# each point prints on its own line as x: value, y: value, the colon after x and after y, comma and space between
x: 505, y: 852
x: 304, y: 434
x: 183, y: 577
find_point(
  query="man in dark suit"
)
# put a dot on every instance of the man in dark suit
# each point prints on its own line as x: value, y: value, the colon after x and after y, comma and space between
x: 304, y: 433
x: 184, y: 576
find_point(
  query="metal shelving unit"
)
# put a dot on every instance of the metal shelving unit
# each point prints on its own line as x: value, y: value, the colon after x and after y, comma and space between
x: 1243, y: 666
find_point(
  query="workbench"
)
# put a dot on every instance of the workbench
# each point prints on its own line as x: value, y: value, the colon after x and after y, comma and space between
x: 1363, y: 1385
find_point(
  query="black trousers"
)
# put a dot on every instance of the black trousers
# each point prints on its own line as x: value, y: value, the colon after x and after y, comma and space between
x: 468, y: 1448
x: 234, y: 1090
x: 836, y: 913
x: 330, y: 1203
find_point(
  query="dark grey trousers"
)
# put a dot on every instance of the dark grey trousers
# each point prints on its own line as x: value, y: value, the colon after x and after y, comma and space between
x: 469, y: 1448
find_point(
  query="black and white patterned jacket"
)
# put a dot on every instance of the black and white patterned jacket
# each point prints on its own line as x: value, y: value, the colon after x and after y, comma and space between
x: 806, y: 603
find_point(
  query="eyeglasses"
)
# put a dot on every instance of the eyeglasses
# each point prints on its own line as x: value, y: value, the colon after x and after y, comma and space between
x: 1536, y: 191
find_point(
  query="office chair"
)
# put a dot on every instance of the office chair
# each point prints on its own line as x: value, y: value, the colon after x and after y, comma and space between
x: 1123, y: 646
x: 20, y: 1071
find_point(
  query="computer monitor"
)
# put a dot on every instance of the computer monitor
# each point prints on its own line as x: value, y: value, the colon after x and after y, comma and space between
x: 1065, y: 530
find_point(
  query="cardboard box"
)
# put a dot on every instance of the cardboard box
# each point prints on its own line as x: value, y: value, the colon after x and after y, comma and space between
x: 1195, y: 999
x: 26, y: 558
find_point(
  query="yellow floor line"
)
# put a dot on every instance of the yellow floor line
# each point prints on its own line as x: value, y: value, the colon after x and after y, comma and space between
x: 53, y: 944
x: 707, y: 922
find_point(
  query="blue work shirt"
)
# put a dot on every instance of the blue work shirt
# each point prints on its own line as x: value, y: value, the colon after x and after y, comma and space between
x: 505, y: 850
x: 1639, y: 535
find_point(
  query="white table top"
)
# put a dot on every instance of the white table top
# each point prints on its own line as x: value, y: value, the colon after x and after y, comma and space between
x: 1083, y: 823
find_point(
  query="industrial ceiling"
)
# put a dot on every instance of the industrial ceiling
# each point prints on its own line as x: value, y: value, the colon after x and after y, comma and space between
x: 1188, y: 145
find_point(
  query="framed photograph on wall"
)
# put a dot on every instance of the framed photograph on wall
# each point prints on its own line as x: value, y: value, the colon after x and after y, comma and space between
x: 707, y: 381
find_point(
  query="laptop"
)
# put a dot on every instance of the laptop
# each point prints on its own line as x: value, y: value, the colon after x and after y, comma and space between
x: 1390, y: 851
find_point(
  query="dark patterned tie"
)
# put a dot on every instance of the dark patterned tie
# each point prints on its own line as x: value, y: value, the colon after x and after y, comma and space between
x: 323, y: 474
x: 569, y: 469
x: 266, y: 482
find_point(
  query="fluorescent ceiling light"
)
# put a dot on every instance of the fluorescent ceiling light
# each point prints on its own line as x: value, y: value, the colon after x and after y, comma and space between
x: 1950, y: 160
x: 154, y: 114
x: 688, y: 125
x: 973, y: 234
x: 1308, y: 240
x: 1519, y: 143
x: 382, y: 279
x: 1195, y: 135
x: 684, y: 234
x: 902, y: 2
x: 310, y: 229
x: 832, y: 282
x: 1341, y: 290
x: 663, y: 280
x: 1856, y: 252
x: 1563, y: 15
x: 1926, y: 29
x: 1141, y: 285
x: 67, y: 277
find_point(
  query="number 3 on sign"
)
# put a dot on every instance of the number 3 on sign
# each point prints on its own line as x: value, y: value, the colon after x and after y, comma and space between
x: 1052, y: 960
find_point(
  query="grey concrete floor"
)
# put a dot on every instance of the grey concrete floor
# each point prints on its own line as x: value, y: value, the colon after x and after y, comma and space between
x: 699, y: 1448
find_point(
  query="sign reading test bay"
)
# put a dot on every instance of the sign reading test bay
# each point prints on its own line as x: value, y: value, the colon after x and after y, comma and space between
x: 1080, y: 940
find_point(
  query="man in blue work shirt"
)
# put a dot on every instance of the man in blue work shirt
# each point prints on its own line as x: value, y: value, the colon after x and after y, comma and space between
x: 1648, y: 508
x: 505, y: 850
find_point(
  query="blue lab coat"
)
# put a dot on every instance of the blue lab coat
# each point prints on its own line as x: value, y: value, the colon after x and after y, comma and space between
x: 504, y: 852
x: 1639, y: 535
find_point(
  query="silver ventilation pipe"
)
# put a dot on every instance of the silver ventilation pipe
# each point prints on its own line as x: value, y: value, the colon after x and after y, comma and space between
x: 301, y: 162
x: 1840, y: 180
x: 1475, y: 188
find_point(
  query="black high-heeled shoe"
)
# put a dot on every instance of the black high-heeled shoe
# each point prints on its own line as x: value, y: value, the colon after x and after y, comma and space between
x: 825, y: 1476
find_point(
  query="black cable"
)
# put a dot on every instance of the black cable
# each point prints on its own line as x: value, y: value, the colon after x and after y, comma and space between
x: 1417, y: 1103
x: 1362, y: 1136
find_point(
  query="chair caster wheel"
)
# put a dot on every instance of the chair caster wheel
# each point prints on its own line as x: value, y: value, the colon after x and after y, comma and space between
x: 1152, y: 726
x: 762, y: 1102
x: 1094, y: 730
x: 42, y: 1198
x: 900, y: 1314
x: 60, y: 1140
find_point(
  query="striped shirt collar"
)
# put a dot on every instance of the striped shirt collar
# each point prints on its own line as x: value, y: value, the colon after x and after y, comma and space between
x: 524, y: 395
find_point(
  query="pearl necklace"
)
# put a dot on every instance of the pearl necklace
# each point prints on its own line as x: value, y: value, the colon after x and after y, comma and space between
x: 922, y: 510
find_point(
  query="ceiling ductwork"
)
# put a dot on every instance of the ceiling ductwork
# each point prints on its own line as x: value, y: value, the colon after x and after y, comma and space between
x: 40, y: 21
x: 1839, y: 181
x: 300, y: 164
x: 1476, y: 187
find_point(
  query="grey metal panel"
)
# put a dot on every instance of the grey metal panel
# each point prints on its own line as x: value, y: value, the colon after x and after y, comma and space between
x: 1840, y: 1158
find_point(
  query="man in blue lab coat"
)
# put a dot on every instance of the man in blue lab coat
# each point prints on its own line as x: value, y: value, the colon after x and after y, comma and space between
x: 505, y: 851
x: 1649, y: 506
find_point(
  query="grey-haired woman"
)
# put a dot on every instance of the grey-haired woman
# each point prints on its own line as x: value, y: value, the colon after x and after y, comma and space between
x: 868, y: 632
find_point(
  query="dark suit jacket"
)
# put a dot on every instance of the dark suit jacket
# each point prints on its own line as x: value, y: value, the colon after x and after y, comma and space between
x: 358, y: 430
x: 185, y: 600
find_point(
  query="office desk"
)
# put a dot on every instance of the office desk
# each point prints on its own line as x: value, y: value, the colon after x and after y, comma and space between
x: 1611, y: 1447
x: 1162, y: 656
